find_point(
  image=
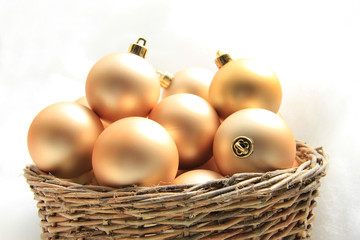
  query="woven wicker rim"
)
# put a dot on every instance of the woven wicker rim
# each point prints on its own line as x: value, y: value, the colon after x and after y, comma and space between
x: 185, y: 211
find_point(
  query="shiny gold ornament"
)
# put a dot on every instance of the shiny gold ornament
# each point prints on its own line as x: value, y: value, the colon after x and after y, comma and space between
x: 83, y: 101
x: 61, y: 139
x: 121, y: 85
x: 197, y: 176
x: 253, y: 140
x: 243, y: 83
x: 135, y: 150
x: 190, y: 80
x: 192, y: 122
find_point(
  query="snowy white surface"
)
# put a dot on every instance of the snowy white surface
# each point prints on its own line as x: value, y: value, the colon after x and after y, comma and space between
x: 48, y: 47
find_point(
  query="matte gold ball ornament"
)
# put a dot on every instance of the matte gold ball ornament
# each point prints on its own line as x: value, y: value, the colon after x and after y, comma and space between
x: 253, y: 140
x: 135, y: 150
x: 61, y: 138
x: 197, y: 176
x: 192, y: 123
x: 243, y: 83
x: 122, y: 85
x: 192, y: 80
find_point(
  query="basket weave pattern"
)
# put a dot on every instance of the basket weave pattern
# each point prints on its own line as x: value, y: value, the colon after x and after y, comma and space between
x: 273, y: 205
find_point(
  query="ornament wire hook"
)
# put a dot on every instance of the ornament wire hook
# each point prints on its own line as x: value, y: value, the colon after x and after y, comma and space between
x: 219, y: 53
x: 143, y: 40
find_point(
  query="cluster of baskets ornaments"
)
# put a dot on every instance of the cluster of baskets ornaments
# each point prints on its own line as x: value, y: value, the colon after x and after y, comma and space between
x: 210, y: 158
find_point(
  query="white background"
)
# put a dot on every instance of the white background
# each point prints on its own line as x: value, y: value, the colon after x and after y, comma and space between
x: 48, y: 47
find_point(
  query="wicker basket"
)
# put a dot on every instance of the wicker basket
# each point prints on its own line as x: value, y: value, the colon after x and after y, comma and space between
x: 272, y: 205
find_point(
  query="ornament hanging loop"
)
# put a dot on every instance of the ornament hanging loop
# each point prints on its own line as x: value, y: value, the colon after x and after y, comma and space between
x: 138, y: 49
x: 141, y: 39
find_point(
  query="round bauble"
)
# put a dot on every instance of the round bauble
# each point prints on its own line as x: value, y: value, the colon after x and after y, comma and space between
x: 192, y: 122
x: 244, y: 83
x: 61, y: 139
x: 197, y: 176
x: 83, y: 101
x: 121, y: 85
x: 192, y: 80
x: 253, y: 140
x: 135, y: 150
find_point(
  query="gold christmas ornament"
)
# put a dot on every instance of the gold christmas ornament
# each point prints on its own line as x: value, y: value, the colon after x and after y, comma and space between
x: 190, y: 80
x: 61, y: 139
x: 135, y: 150
x: 253, y: 140
x: 83, y: 101
x: 243, y: 83
x: 197, y: 176
x: 121, y: 85
x: 192, y: 122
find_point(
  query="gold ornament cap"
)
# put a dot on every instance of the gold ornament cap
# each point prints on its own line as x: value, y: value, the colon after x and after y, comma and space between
x: 242, y: 147
x: 165, y: 79
x: 138, y: 49
x: 222, y: 59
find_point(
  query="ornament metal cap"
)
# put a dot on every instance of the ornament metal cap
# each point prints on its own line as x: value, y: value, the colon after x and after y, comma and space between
x: 222, y: 59
x: 165, y: 79
x: 242, y: 147
x: 138, y: 49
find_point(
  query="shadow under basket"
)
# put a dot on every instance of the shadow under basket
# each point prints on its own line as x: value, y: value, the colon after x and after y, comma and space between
x: 272, y: 205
